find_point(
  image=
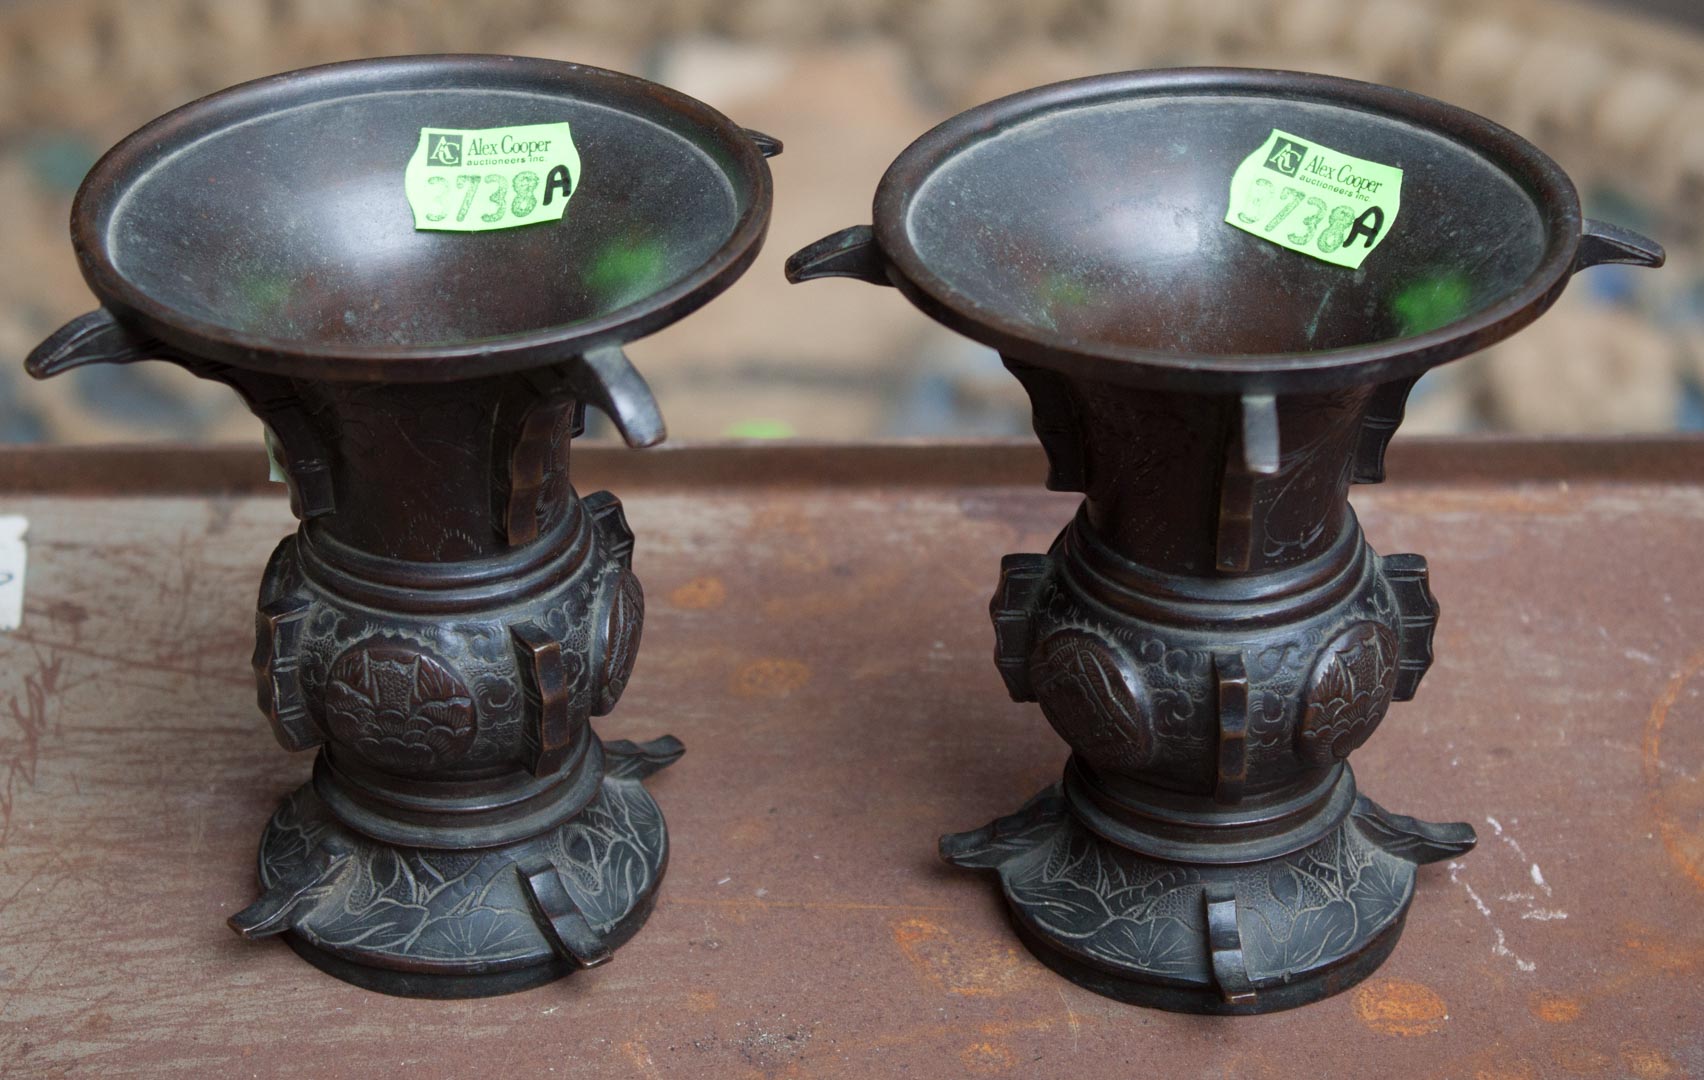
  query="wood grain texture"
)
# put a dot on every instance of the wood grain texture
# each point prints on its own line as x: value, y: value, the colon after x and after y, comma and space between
x: 825, y: 655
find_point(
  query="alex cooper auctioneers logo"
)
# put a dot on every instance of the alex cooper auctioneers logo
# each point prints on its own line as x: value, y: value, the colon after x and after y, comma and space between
x: 1286, y: 157
x: 475, y: 179
x: 447, y: 150
x: 1323, y: 203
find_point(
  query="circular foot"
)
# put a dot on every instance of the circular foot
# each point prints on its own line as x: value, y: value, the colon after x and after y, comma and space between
x: 1202, y: 937
x: 449, y: 985
x: 440, y: 985
x: 440, y: 923
x: 1155, y: 993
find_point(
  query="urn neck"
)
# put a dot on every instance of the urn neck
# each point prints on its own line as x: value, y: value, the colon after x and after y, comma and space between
x: 1207, y: 485
x: 441, y: 472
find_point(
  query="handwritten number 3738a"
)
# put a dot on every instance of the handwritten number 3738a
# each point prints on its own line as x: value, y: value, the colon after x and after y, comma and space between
x: 517, y: 196
x: 1342, y: 227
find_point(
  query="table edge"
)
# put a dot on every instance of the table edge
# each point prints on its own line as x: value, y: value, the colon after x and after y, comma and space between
x: 237, y: 469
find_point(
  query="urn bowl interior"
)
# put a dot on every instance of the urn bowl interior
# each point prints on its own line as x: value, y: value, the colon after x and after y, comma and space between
x: 1088, y: 217
x: 274, y: 214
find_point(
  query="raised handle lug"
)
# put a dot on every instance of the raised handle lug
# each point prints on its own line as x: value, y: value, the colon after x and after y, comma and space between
x: 1013, y: 611
x: 538, y: 468
x: 1601, y: 242
x: 1233, y: 701
x: 1253, y: 451
x: 767, y: 145
x: 570, y: 933
x: 1384, y: 415
x: 301, y: 452
x: 605, y: 379
x: 94, y: 338
x: 549, y: 690
x: 849, y: 253
x: 1053, y: 413
x: 1258, y: 431
x: 611, y: 522
x: 98, y: 338
x: 1417, y: 614
x: 277, y: 674
x: 1224, y: 945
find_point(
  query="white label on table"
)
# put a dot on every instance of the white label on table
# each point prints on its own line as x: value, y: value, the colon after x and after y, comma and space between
x: 12, y: 529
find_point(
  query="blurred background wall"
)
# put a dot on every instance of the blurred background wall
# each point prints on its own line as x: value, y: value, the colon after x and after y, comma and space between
x: 1613, y: 90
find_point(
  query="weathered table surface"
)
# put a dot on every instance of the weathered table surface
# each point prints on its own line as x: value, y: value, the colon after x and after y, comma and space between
x: 817, y: 634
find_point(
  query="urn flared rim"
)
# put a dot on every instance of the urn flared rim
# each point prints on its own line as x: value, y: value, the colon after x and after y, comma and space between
x: 718, y: 149
x: 932, y: 285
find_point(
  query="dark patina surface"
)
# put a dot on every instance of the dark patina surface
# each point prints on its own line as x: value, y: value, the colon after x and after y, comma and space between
x: 1212, y: 634
x: 451, y: 612
x: 807, y: 928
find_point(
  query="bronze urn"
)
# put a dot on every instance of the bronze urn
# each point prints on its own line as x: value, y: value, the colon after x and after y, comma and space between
x: 450, y: 613
x: 1211, y: 634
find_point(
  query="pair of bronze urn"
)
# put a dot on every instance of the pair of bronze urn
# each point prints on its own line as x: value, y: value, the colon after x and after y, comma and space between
x: 1211, y: 634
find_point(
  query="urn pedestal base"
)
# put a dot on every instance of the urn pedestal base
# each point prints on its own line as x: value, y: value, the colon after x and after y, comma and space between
x: 473, y: 922
x: 1200, y: 934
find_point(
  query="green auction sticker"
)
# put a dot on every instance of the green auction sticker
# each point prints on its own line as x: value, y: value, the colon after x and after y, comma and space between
x: 1315, y: 200
x: 494, y: 178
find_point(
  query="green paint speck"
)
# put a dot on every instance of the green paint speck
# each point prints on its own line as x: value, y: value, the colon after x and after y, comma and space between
x: 1431, y: 302
x: 627, y: 271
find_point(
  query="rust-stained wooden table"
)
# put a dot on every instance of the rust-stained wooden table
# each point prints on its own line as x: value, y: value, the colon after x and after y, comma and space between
x: 817, y: 634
